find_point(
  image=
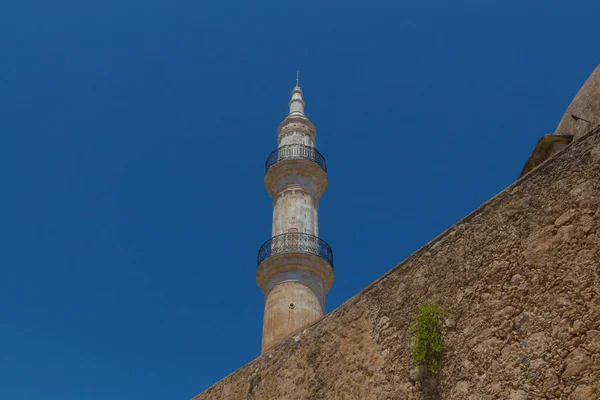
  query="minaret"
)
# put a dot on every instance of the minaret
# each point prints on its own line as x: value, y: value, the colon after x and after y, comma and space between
x: 295, y: 266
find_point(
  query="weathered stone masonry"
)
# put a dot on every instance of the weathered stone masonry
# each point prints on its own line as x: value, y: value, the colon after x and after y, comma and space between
x: 520, y: 277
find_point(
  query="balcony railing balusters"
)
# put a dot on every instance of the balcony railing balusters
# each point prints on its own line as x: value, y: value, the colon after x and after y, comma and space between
x: 295, y: 243
x: 296, y: 151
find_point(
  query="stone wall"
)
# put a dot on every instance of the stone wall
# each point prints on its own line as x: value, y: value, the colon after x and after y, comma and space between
x: 520, y: 278
x: 586, y: 104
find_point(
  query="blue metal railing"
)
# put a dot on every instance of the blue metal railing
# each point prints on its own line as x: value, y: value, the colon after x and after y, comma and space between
x: 295, y: 243
x: 298, y: 152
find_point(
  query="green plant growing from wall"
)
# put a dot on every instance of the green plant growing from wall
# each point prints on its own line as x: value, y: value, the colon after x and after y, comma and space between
x: 426, y: 337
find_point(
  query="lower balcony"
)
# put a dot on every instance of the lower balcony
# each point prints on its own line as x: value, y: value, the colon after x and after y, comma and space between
x: 295, y: 243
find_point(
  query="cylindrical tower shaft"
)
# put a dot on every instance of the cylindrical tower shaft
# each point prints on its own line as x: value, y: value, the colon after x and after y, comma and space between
x: 295, y: 210
x: 295, y: 267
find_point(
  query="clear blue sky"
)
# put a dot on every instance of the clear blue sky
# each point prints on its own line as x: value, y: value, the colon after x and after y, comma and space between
x: 134, y: 135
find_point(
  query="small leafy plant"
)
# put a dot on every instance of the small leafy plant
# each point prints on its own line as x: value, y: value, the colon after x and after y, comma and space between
x: 426, y: 337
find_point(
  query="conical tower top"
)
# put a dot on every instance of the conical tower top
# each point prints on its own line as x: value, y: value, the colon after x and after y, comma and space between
x: 297, y: 102
x: 296, y: 121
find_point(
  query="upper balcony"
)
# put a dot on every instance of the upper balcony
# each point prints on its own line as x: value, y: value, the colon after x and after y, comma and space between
x: 296, y: 152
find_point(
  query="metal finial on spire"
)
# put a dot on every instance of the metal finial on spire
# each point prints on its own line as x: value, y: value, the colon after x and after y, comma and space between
x: 297, y: 78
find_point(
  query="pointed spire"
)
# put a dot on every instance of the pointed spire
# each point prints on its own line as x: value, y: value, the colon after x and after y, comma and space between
x: 297, y: 103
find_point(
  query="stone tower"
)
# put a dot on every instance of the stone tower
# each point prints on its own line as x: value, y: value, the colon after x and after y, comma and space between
x: 295, y: 266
